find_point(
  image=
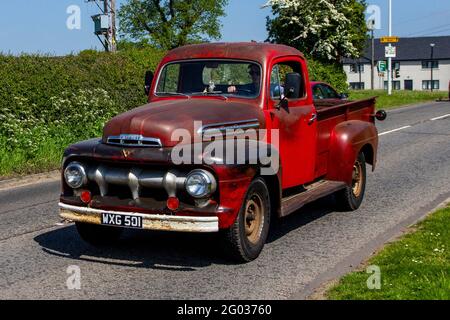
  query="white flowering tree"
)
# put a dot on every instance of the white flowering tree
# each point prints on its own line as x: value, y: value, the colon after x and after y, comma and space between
x: 326, y: 29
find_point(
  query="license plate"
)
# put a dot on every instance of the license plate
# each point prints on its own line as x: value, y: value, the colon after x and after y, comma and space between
x: 121, y: 220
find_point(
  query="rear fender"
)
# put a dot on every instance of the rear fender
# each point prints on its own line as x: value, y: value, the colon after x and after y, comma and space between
x: 347, y: 140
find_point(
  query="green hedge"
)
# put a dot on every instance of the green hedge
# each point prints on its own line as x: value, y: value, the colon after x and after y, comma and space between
x: 38, y: 78
x: 332, y: 73
x: 49, y: 102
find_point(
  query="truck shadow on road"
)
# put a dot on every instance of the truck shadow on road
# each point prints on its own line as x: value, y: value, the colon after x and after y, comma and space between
x: 166, y: 250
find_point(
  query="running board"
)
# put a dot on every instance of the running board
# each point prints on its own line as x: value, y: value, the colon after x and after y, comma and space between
x: 313, y: 192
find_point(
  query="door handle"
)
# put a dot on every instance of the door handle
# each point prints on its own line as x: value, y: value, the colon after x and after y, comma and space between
x: 313, y: 118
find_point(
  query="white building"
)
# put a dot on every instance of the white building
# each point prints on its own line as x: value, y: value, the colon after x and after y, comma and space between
x: 412, y: 67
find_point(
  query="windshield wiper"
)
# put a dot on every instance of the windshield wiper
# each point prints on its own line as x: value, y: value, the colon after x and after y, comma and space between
x: 173, y: 94
x: 213, y: 93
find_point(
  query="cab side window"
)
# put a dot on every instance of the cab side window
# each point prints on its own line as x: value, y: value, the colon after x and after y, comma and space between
x: 275, y: 84
x: 278, y: 79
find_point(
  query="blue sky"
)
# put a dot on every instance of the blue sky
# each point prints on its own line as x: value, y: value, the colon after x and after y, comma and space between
x: 39, y: 26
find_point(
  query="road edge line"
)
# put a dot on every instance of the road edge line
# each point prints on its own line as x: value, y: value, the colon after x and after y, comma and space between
x: 37, y: 178
x: 394, y: 130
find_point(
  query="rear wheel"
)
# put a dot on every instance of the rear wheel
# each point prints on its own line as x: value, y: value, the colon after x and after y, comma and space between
x: 245, y: 239
x: 351, y: 197
x: 98, y: 234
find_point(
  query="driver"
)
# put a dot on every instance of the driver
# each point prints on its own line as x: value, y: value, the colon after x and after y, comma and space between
x: 252, y: 88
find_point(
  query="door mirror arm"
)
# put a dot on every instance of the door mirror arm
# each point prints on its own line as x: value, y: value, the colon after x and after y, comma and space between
x: 284, y: 102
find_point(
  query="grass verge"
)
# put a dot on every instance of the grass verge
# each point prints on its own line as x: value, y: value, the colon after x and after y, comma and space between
x: 398, y: 98
x: 416, y: 267
x: 46, y: 157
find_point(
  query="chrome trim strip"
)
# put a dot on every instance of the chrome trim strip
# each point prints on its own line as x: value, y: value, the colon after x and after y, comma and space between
x: 134, y: 137
x: 149, y: 221
x: 232, y: 125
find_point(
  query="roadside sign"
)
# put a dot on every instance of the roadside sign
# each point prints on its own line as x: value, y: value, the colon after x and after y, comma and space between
x: 390, y: 52
x: 382, y: 66
x: 389, y: 39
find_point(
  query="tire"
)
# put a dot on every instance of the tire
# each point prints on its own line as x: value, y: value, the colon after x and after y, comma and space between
x: 350, y: 198
x: 97, y: 234
x: 246, y: 238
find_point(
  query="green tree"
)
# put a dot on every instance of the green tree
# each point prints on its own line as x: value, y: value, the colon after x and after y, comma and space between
x: 168, y: 24
x: 326, y: 29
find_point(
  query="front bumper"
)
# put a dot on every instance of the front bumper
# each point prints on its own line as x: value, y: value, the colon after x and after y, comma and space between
x: 149, y: 221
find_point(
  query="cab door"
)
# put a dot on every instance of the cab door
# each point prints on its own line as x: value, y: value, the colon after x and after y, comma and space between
x: 295, y: 119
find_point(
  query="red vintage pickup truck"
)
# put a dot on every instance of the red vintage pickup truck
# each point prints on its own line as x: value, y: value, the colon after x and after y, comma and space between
x: 229, y: 140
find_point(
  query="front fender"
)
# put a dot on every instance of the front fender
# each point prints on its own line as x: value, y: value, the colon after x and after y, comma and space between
x: 346, y: 142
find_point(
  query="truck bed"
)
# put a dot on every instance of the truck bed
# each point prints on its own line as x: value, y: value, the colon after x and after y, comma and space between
x: 329, y: 117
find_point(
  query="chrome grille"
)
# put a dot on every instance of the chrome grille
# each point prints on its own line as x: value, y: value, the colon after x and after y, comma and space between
x: 134, y: 140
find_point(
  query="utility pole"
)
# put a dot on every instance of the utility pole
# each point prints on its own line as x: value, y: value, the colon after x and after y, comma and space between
x: 373, y: 62
x: 390, y: 45
x: 372, y: 65
x: 432, y: 65
x: 360, y: 75
x: 108, y: 32
x: 105, y: 24
x: 113, y: 31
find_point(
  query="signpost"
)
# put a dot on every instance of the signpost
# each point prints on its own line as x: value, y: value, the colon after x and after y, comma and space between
x: 389, y: 39
x: 382, y: 66
x: 390, y: 59
x: 390, y: 52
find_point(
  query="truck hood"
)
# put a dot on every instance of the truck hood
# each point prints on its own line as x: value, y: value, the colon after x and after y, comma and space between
x: 160, y: 119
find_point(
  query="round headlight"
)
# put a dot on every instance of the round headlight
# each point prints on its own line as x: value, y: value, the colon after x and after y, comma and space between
x: 200, y: 184
x: 75, y: 175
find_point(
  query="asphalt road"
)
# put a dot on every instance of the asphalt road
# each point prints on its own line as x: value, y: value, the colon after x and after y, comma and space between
x: 311, y: 246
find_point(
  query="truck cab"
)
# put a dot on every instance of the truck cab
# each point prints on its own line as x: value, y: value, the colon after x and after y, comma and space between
x: 230, y: 139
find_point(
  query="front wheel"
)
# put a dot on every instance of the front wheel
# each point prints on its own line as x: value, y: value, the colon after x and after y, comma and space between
x: 245, y: 239
x: 350, y: 198
x: 97, y: 234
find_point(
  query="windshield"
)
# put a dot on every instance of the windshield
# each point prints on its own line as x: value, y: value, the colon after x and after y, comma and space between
x: 226, y: 78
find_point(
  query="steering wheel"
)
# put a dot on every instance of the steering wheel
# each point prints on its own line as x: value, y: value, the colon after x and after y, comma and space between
x: 244, y: 90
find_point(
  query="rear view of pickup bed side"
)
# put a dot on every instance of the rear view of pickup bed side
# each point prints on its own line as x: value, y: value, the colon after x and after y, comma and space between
x: 256, y: 94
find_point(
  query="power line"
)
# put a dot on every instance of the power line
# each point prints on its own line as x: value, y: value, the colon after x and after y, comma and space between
x: 429, y: 30
x: 424, y: 17
x: 436, y: 33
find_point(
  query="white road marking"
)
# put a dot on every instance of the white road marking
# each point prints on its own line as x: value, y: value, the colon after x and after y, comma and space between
x: 441, y: 117
x: 395, y: 130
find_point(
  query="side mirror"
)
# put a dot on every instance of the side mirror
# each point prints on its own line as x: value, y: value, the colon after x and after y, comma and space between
x: 293, y: 84
x: 343, y: 96
x: 148, y: 82
x: 381, y: 115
